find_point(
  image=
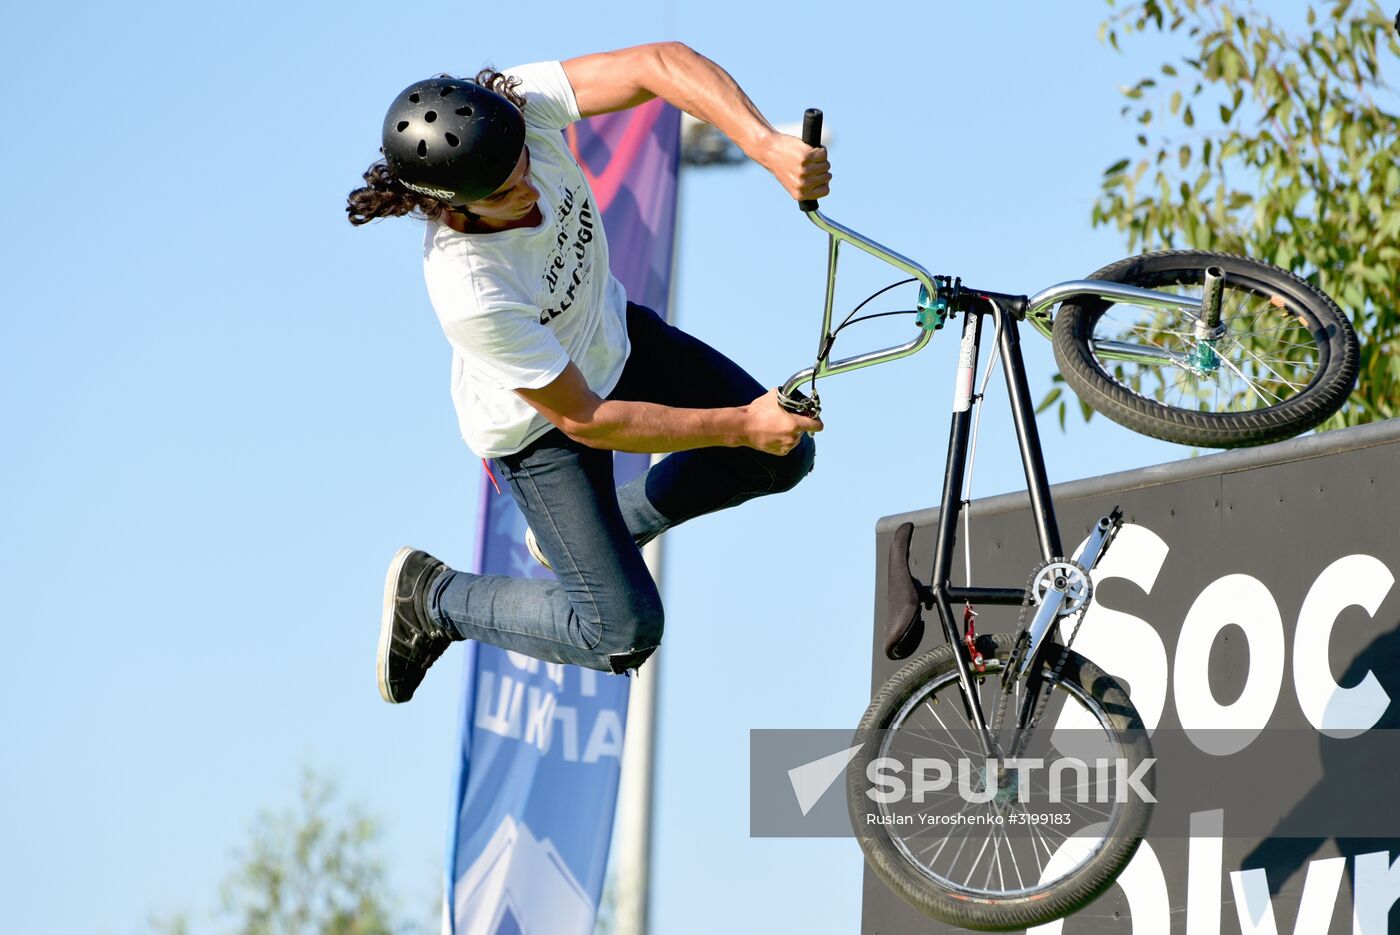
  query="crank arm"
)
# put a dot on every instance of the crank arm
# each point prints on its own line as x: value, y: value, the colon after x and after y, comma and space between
x: 1045, y: 617
x: 1099, y: 540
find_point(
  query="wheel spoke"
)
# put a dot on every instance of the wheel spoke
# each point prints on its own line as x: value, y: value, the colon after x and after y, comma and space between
x: 925, y: 735
x: 957, y: 746
x: 1263, y: 363
x: 1249, y: 383
x: 1147, y: 329
x: 978, y: 859
x: 1015, y: 864
x: 996, y: 854
x: 1237, y: 335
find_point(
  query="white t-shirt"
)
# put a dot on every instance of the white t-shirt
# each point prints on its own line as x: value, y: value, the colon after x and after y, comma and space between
x: 518, y: 305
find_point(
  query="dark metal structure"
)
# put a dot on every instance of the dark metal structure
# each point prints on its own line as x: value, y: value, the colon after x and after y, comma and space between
x: 1285, y: 558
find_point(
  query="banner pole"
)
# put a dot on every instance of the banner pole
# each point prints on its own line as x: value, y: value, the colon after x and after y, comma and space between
x: 632, y: 870
x: 632, y: 878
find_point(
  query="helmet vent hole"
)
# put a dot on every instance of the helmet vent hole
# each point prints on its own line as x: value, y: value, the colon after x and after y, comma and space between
x: 413, y: 97
x: 464, y: 111
x: 422, y: 147
x: 452, y: 139
x: 403, y: 125
x: 430, y: 116
x: 446, y: 91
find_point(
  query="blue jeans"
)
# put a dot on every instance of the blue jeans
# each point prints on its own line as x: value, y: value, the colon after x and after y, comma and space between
x: 603, y: 610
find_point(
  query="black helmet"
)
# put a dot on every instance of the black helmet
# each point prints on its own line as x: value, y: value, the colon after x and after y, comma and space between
x: 452, y: 139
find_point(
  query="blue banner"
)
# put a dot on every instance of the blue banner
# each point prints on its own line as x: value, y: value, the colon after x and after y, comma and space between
x: 542, y: 743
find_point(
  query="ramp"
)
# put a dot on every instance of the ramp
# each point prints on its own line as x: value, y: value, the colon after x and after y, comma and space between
x: 1254, y: 588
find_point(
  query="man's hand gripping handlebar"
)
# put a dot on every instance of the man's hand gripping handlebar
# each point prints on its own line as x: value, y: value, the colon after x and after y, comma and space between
x: 797, y: 402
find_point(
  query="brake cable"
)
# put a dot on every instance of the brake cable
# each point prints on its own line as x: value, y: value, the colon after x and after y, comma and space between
x: 830, y: 339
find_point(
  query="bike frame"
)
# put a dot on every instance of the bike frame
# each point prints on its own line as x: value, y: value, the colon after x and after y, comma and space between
x: 1006, y: 311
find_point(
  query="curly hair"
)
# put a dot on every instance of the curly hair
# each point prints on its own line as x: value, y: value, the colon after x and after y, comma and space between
x: 385, y: 196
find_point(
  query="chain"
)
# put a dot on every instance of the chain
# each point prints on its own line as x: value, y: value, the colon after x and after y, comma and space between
x: 1016, y: 650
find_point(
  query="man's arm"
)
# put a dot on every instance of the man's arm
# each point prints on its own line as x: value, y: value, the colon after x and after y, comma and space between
x: 620, y: 425
x: 672, y: 71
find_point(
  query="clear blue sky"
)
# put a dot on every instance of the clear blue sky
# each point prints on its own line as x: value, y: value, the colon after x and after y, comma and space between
x: 225, y: 409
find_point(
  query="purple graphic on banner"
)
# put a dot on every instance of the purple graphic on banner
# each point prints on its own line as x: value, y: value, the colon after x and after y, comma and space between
x: 542, y: 743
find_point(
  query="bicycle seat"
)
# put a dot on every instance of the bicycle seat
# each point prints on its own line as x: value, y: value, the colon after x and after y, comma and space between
x: 904, y: 621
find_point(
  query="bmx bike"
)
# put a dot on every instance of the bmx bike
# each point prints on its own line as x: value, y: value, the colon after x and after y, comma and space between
x: 1193, y: 347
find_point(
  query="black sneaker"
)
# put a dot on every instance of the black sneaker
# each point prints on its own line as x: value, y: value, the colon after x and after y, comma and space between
x: 409, y: 641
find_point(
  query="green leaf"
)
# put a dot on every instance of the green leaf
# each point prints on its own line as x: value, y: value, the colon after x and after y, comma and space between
x: 1231, y: 64
x: 1306, y: 174
x: 1049, y: 399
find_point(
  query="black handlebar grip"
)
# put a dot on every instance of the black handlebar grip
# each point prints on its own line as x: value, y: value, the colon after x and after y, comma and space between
x: 812, y: 136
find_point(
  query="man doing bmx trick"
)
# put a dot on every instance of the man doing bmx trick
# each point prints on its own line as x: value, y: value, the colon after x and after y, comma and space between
x: 552, y: 367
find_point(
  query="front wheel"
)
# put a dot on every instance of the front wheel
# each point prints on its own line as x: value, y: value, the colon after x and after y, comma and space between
x: 1280, y: 360
x: 1002, y: 843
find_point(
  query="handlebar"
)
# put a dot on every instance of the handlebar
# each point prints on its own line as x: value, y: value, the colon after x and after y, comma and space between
x: 1034, y: 308
x: 789, y: 396
x: 812, y: 136
x: 794, y: 400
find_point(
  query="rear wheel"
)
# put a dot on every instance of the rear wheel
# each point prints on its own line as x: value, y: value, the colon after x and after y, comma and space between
x: 1281, y: 360
x: 1046, y: 840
